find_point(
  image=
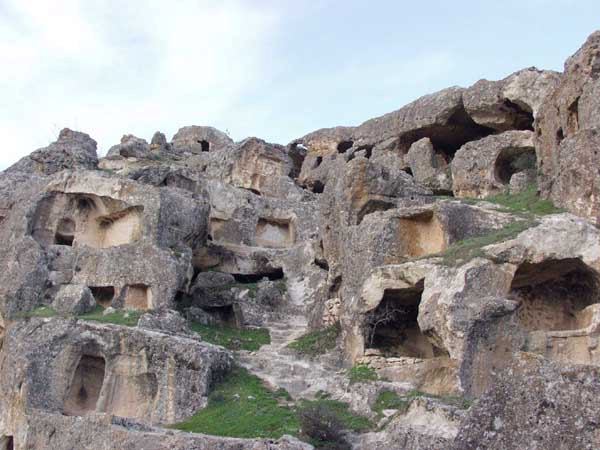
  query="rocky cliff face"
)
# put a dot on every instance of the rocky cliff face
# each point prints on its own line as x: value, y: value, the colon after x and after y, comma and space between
x: 428, y: 279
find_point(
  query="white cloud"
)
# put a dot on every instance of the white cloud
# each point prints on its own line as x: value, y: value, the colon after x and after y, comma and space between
x: 110, y: 67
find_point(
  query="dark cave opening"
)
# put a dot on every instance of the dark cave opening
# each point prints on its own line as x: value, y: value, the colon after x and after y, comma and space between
x: 204, y: 145
x: 65, y: 232
x: 447, y: 139
x: 344, y: 146
x: 514, y: 160
x: 393, y: 328
x: 317, y: 187
x: 86, y: 386
x: 103, y: 295
x: 553, y: 295
x: 274, y: 275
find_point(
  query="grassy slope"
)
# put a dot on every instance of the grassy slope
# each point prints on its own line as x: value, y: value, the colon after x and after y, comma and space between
x: 527, y: 206
x: 317, y: 342
x: 233, y: 338
x: 241, y: 406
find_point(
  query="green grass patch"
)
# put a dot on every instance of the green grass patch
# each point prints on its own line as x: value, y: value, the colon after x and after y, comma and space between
x: 526, y: 206
x: 40, y: 311
x: 317, y: 342
x: 391, y: 400
x: 362, y: 373
x: 241, y: 406
x: 463, y: 251
x: 128, y: 318
x: 233, y: 338
x: 526, y: 202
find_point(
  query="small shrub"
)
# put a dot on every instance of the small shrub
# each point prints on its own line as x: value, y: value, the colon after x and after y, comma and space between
x: 281, y: 286
x: 391, y: 400
x: 317, y: 342
x: 282, y: 393
x: 362, y: 373
x: 323, y: 428
x: 348, y: 420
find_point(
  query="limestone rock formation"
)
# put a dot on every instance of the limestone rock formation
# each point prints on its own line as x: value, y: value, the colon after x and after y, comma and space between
x: 535, y: 404
x: 72, y: 150
x: 195, y: 139
x: 566, y: 132
x: 492, y: 165
x: 396, y: 284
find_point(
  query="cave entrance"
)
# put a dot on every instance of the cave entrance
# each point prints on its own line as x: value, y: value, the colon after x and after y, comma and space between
x: 86, y: 385
x: 555, y: 295
x: 138, y: 296
x: 204, y: 145
x: 317, y: 187
x: 448, y: 138
x: 223, y: 314
x: 514, y: 160
x: 7, y: 443
x: 77, y: 219
x: 421, y: 235
x: 65, y: 232
x: 103, y: 295
x: 393, y: 327
x: 344, y: 146
x: 273, y: 275
x: 274, y: 233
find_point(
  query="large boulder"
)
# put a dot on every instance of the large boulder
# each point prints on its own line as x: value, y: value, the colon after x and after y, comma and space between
x: 130, y: 147
x: 428, y: 168
x: 511, y: 103
x: 74, y: 299
x: 262, y: 168
x: 566, y: 135
x: 72, y: 150
x: 197, y: 139
x: 489, y: 166
x: 535, y: 404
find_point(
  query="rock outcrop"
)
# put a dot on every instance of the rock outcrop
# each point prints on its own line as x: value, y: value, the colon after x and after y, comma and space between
x: 403, y: 283
x: 566, y: 133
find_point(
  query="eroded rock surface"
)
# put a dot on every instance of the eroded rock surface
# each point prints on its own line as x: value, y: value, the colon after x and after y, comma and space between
x: 445, y: 320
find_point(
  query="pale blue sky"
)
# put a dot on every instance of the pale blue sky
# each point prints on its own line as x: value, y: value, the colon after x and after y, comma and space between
x: 272, y: 69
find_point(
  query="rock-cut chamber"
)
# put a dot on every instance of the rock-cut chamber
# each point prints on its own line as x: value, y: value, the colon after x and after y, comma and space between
x: 274, y: 233
x: 555, y: 295
x: 86, y: 385
x: 86, y: 219
x: 393, y: 327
